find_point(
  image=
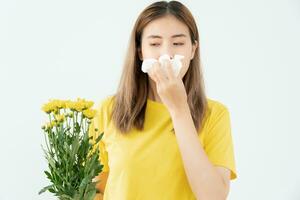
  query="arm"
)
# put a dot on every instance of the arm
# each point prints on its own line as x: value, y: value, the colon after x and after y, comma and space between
x: 101, y: 185
x: 207, y: 181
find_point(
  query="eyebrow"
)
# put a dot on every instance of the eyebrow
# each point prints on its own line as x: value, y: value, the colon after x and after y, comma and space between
x: 173, y: 36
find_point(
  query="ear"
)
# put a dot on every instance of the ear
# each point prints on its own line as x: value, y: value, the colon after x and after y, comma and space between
x: 140, y: 53
x: 194, y: 47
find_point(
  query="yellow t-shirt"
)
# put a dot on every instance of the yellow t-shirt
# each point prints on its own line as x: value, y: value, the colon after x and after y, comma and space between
x: 147, y: 165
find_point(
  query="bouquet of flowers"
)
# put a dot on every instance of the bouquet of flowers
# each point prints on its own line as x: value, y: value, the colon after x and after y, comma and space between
x: 73, y: 156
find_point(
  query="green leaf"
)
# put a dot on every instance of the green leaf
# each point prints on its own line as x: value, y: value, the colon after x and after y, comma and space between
x: 77, y: 127
x: 48, y: 175
x: 90, y: 195
x: 99, y: 137
x: 46, y: 188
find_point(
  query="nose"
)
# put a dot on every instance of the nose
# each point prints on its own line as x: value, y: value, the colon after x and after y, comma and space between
x: 167, y: 49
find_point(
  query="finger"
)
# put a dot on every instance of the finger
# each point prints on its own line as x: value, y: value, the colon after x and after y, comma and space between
x: 169, y: 70
x: 160, y: 74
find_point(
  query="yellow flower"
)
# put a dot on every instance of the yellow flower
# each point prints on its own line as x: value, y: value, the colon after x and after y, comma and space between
x: 53, y: 123
x: 88, y: 104
x: 53, y: 106
x: 70, y: 104
x: 89, y: 113
x: 85, y: 104
x: 49, y: 125
x: 59, y: 103
x: 71, y: 114
x: 60, y: 118
x: 48, y: 108
x: 73, y: 105
x: 79, y: 105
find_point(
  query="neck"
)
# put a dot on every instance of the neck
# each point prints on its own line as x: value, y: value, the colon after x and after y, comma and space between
x: 152, y: 92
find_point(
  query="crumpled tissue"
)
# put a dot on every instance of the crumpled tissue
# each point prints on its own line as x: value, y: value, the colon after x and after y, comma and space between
x: 175, y: 63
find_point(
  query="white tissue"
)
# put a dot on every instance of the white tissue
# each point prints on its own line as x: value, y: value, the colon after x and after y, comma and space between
x: 176, y: 63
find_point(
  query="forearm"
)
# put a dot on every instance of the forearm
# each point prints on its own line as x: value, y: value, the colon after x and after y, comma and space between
x: 205, y: 181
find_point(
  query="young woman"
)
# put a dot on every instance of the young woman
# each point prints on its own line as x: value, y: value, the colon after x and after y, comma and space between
x: 163, y: 138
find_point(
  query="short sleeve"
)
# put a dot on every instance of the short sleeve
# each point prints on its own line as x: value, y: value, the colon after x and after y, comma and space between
x: 218, y: 141
x: 98, y: 123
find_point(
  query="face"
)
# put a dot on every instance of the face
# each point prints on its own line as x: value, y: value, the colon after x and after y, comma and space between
x: 167, y: 35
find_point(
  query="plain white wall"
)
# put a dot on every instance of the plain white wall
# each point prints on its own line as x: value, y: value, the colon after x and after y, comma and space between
x: 69, y: 49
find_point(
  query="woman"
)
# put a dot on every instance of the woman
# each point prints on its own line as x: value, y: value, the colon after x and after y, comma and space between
x: 163, y: 138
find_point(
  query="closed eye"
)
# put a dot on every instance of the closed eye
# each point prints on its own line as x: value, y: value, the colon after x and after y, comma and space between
x: 154, y: 44
x: 178, y: 44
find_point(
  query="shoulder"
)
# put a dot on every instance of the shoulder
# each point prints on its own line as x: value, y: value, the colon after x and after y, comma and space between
x: 216, y: 106
x: 105, y: 103
x: 103, y: 109
x: 215, y: 110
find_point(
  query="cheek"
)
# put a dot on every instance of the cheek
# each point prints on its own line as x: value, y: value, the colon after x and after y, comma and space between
x: 185, y: 67
x: 148, y: 52
x: 185, y: 64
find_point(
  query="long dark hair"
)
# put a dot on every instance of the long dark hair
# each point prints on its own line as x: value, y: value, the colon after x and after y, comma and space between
x: 131, y: 98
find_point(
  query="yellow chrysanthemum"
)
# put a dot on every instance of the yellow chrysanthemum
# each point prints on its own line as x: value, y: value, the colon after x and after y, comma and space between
x: 79, y: 105
x: 71, y: 114
x: 60, y: 118
x: 89, y: 113
x: 53, y: 123
x: 85, y: 104
x: 48, y: 108
x: 70, y: 104
x: 49, y: 125
x: 53, y: 106
x: 59, y: 103
x: 73, y: 105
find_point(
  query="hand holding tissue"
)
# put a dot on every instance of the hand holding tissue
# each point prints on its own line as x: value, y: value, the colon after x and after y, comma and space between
x: 176, y: 63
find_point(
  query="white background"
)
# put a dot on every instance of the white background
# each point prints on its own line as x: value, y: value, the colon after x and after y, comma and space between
x: 68, y: 49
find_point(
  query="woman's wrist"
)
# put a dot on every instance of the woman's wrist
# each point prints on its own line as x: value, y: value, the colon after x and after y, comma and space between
x: 180, y: 110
